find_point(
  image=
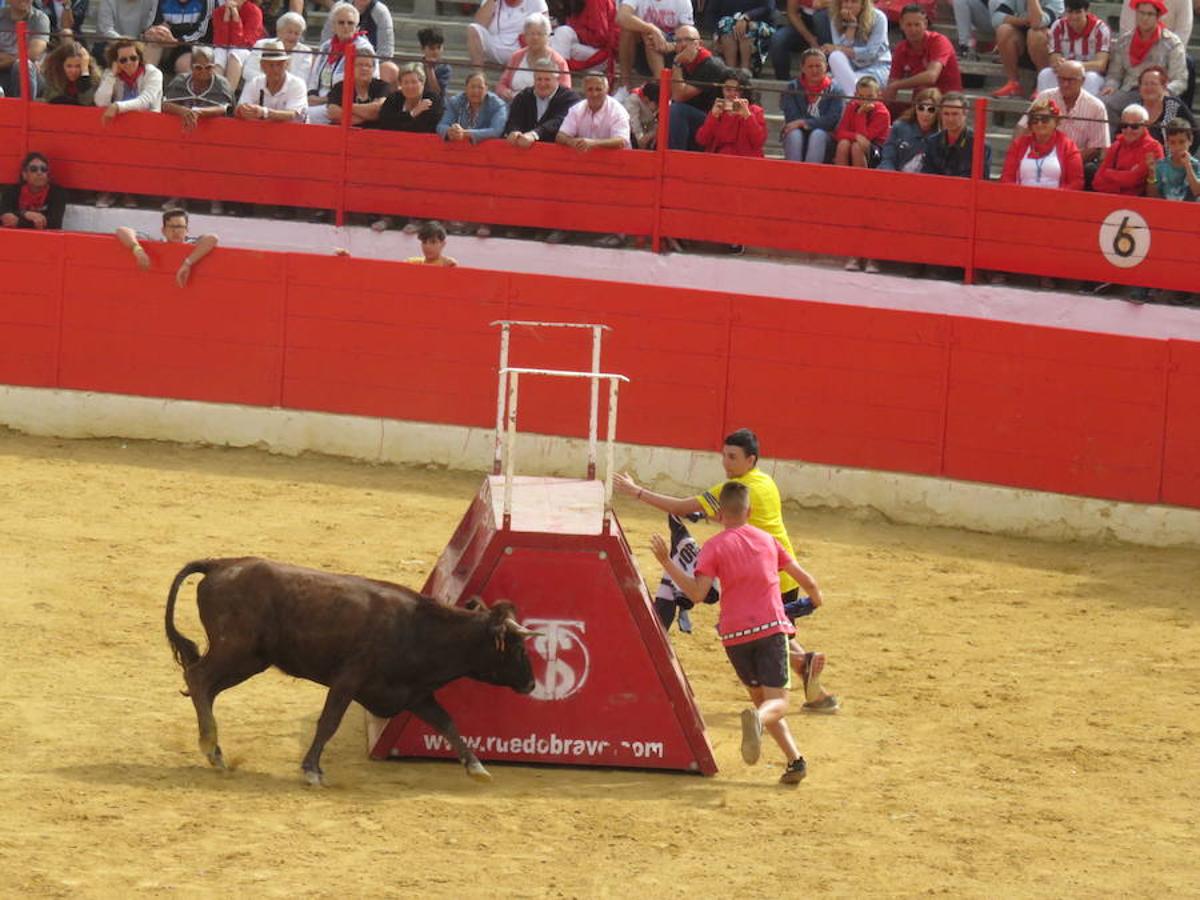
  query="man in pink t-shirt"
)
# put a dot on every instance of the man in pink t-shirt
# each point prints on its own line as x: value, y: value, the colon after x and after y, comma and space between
x: 752, y: 624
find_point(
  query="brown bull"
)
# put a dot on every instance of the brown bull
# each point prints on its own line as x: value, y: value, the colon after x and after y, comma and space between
x: 381, y: 644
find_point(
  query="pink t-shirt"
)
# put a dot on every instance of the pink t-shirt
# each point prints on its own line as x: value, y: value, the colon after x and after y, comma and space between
x: 747, y: 560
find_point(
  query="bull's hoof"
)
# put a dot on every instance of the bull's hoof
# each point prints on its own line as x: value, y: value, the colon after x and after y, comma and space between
x: 479, y: 773
x: 314, y: 777
x: 216, y: 759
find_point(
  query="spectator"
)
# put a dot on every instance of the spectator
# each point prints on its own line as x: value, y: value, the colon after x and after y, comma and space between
x: 972, y: 24
x: 1079, y: 37
x: 33, y: 202
x: 273, y: 11
x: 495, y: 35
x: 413, y: 108
x: 276, y: 95
x: 1148, y: 44
x: 124, y: 18
x: 437, y: 73
x: 811, y: 111
x: 1045, y: 157
x: 743, y: 31
x: 1162, y: 107
x: 1132, y: 159
x: 38, y: 24
x: 950, y: 151
x: 288, y: 30
x: 642, y: 106
x: 330, y: 61
x: 860, y: 136
x: 1177, y: 175
x: 201, y: 95
x: 589, y: 35
x: 537, y: 112
x: 648, y: 32
x: 859, y: 44
x: 1178, y: 18
x: 475, y: 115
x: 807, y: 26
x: 130, y: 84
x: 599, y: 122
x: 433, y: 241
x: 517, y: 74
x: 695, y: 79
x: 178, y: 25
x: 174, y: 231
x: 905, y: 147
x: 237, y: 26
x: 1084, y: 119
x: 923, y: 59
x: 369, y: 95
x: 735, y: 125
x: 67, y: 17
x: 1022, y: 26
x: 70, y: 75
x: 376, y: 25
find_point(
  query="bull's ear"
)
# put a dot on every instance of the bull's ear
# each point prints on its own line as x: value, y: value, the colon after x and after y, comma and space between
x: 503, y: 609
x: 475, y: 603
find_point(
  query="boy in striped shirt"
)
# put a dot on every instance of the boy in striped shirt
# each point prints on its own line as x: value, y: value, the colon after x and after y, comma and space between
x: 752, y: 625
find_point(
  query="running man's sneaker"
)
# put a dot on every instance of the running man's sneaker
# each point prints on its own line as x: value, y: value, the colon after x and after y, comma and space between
x: 828, y: 705
x: 751, y: 736
x: 685, y: 621
x: 795, y: 771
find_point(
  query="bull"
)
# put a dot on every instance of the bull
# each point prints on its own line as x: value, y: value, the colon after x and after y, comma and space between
x: 381, y: 644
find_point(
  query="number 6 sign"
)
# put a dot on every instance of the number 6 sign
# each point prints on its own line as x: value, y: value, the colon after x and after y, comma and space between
x: 1124, y: 238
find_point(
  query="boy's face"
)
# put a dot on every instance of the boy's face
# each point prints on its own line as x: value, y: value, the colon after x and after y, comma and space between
x: 736, y: 461
x: 432, y: 248
x: 1178, y: 146
x: 432, y: 52
x: 867, y: 94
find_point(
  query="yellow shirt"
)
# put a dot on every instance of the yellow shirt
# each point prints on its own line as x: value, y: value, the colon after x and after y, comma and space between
x: 766, y: 512
x: 440, y: 261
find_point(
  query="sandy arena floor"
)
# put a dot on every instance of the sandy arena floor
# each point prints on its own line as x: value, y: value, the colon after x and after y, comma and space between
x: 1019, y: 718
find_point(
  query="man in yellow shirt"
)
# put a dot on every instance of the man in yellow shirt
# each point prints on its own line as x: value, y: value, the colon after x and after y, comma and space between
x: 739, y: 456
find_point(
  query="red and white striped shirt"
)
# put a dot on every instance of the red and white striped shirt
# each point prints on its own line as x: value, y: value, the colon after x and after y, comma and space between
x: 1096, y: 39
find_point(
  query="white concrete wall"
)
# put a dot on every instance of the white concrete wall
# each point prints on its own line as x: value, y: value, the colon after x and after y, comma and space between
x: 909, y: 499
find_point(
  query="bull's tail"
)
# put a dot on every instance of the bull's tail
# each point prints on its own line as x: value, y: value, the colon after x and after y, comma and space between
x: 186, y: 652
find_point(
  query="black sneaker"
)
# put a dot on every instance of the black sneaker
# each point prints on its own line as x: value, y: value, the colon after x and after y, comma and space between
x: 795, y: 771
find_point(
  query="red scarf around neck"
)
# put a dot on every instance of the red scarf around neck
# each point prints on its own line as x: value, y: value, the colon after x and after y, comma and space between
x: 337, y: 47
x: 1037, y: 151
x: 1088, y: 27
x: 810, y: 93
x: 31, y: 200
x: 701, y: 55
x: 1139, y: 46
x: 130, y: 81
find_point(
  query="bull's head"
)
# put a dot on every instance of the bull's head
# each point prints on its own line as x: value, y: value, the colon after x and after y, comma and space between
x: 504, y: 659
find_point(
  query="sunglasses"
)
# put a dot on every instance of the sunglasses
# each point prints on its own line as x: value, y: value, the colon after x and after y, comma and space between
x: 1041, y: 119
x: 126, y: 59
x: 1131, y: 126
x: 38, y: 168
x: 204, y: 66
x: 926, y: 107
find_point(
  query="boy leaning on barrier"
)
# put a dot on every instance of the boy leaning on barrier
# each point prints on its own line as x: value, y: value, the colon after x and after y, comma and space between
x: 174, y: 231
x: 753, y: 626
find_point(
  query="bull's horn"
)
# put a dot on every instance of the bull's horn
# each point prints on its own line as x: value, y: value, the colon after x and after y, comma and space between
x: 520, y: 630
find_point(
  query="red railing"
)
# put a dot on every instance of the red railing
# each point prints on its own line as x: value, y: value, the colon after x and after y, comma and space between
x: 965, y: 223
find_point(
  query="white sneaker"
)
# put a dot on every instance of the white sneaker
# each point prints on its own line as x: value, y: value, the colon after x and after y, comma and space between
x: 621, y: 94
x: 871, y: 267
x: 852, y: 264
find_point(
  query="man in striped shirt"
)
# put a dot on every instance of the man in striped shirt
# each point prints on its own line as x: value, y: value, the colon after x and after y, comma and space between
x: 1080, y: 36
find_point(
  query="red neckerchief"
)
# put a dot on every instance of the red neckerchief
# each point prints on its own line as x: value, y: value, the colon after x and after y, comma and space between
x: 810, y: 94
x: 71, y: 89
x: 1091, y: 24
x: 132, y: 80
x: 1037, y: 151
x: 1139, y: 46
x: 701, y: 55
x: 32, y: 201
x: 337, y: 47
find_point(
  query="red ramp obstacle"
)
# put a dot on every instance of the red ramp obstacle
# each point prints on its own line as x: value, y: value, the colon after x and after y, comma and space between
x: 609, y: 689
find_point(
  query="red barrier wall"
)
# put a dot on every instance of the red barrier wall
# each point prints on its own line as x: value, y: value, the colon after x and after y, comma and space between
x: 1044, y: 408
x: 768, y: 203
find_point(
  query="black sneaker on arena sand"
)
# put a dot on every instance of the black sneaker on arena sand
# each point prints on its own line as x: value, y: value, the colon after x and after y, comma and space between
x: 795, y: 771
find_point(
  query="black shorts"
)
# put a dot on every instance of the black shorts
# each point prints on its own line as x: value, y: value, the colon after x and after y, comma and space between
x: 761, y: 663
x: 641, y: 65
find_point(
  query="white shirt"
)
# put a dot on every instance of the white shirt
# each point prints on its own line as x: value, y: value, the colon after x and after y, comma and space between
x: 300, y: 60
x: 1043, y: 171
x: 293, y: 95
x: 508, y: 22
x: 666, y: 14
x: 611, y: 120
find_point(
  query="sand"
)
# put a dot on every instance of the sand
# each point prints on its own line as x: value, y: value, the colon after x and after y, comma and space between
x: 1020, y: 718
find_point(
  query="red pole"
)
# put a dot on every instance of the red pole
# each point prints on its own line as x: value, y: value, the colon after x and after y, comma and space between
x: 347, y: 115
x: 660, y: 150
x: 23, y: 62
x: 977, y: 149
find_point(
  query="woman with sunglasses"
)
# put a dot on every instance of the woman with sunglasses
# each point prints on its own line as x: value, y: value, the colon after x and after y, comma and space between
x: 1131, y: 159
x: 71, y: 76
x: 905, y: 147
x: 130, y: 84
x: 1045, y: 157
x: 33, y: 202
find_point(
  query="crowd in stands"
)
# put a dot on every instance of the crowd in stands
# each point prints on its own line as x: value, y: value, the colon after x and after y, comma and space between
x: 1111, y: 111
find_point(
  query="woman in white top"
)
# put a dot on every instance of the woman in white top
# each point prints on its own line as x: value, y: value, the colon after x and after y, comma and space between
x: 330, y: 61
x: 130, y: 84
x: 860, y: 44
x: 1044, y: 157
x: 289, y: 29
x: 518, y: 75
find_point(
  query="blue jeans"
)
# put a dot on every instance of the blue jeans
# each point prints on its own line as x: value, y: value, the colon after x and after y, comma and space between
x: 685, y: 121
x: 806, y: 146
x: 787, y: 40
